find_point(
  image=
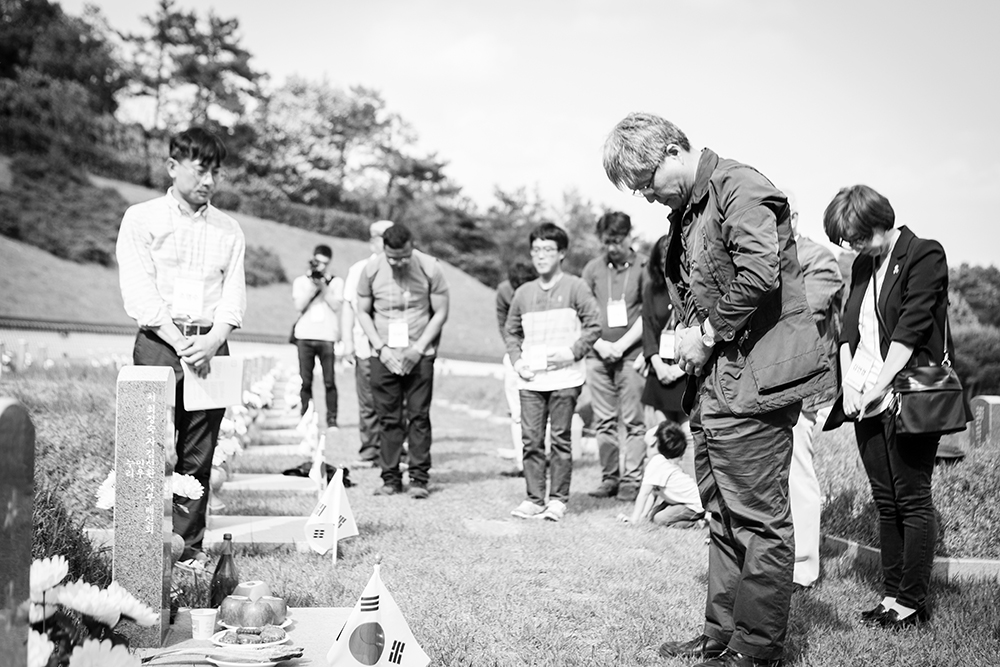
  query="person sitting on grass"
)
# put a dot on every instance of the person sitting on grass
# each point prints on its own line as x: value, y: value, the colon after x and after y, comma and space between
x: 668, y: 496
x: 552, y: 323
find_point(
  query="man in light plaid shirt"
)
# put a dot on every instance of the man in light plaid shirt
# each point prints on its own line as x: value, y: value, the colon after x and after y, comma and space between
x: 180, y: 266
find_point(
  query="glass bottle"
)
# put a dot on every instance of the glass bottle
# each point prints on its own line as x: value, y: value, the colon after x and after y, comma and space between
x: 226, y: 578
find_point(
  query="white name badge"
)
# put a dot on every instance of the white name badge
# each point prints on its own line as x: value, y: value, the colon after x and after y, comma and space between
x: 667, y: 341
x: 617, y: 314
x: 538, y: 357
x: 189, y: 297
x: 399, y: 334
x: 860, y: 370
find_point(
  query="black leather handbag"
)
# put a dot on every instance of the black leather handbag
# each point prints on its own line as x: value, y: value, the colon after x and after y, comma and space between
x: 929, y: 400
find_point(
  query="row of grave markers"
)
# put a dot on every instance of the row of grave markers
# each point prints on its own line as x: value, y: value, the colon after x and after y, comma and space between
x: 143, y: 514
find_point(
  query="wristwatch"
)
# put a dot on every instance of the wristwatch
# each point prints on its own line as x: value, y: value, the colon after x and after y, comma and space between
x: 707, y: 339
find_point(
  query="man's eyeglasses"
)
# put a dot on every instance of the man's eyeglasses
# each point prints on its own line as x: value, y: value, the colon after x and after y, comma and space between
x: 641, y: 192
x: 201, y: 173
x: 544, y: 250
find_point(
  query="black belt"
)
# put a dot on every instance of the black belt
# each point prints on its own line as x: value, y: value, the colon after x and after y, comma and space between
x: 192, y: 329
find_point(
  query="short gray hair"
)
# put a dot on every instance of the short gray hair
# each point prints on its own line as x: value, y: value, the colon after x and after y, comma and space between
x: 639, y: 143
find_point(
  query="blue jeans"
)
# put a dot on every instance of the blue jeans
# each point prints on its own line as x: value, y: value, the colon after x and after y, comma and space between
x: 197, y: 436
x: 616, y: 396
x: 308, y: 351
x: 899, y: 469
x: 539, y: 408
x: 392, y: 395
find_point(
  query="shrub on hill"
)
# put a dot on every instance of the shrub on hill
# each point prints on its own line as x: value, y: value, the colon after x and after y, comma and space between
x: 263, y: 267
x: 54, y: 207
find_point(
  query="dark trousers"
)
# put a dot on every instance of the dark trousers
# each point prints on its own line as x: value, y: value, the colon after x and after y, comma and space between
x: 393, y: 394
x: 555, y: 408
x: 899, y: 468
x: 197, y: 434
x: 742, y: 468
x: 308, y: 351
x: 369, y: 429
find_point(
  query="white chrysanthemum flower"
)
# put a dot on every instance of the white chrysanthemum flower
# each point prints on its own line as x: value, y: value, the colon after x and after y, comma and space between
x: 252, y: 400
x: 138, y: 611
x: 93, y: 653
x: 239, y: 411
x: 45, y: 574
x: 187, y: 486
x: 39, y: 612
x: 39, y: 649
x: 90, y: 601
x: 106, y: 492
x: 227, y: 428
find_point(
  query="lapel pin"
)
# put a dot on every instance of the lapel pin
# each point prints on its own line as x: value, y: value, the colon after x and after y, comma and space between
x: 895, y: 270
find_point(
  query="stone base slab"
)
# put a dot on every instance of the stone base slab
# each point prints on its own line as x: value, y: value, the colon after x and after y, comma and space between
x: 312, y: 628
x: 946, y: 569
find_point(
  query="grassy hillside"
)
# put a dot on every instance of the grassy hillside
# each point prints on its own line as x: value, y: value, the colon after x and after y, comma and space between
x: 35, y: 284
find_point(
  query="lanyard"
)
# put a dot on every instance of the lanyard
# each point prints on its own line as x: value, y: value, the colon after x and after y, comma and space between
x: 628, y: 269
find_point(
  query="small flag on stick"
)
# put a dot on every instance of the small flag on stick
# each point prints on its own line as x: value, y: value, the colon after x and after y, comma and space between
x: 332, y: 519
x: 376, y: 634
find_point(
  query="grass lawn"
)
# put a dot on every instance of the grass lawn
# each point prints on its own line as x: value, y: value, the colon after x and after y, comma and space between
x: 481, y: 588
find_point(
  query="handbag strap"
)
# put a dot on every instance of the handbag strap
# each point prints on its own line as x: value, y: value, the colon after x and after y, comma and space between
x: 946, y: 360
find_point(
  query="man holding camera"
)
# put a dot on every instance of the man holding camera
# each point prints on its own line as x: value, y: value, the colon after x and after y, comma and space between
x: 318, y: 296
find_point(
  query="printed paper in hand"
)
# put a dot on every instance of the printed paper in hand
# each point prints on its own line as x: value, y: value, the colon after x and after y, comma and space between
x: 221, y: 388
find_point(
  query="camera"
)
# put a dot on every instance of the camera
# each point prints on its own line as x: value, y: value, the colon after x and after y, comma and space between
x: 316, y: 271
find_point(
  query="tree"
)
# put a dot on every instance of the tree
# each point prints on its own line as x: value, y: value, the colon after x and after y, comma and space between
x: 213, y: 62
x: 980, y: 285
x: 152, y: 57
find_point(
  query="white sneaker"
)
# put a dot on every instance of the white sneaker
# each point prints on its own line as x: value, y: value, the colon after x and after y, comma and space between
x: 528, y: 510
x: 554, y: 511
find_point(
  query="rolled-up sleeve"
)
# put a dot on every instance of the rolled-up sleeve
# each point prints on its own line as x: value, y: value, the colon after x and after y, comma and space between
x: 137, y: 274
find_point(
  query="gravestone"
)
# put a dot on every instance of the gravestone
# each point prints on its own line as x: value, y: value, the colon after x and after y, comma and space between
x: 144, y: 461
x: 985, y: 421
x: 17, y: 451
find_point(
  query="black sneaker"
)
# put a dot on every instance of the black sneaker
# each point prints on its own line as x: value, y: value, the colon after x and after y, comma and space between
x: 387, y: 490
x: 730, y: 658
x: 418, y: 491
x: 701, y: 646
x: 605, y: 490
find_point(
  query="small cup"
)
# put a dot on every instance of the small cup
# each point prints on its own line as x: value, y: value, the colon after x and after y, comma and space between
x: 203, y: 623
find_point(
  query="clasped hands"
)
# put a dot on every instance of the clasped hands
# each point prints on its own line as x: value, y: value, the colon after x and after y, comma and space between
x: 857, y: 404
x: 555, y: 357
x: 400, y: 361
x: 690, y: 353
x: 197, y: 352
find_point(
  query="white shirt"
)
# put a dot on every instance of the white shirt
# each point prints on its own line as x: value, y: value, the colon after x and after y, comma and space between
x: 673, y: 485
x: 161, y: 242
x: 321, y: 321
x: 869, y: 334
x: 362, y: 348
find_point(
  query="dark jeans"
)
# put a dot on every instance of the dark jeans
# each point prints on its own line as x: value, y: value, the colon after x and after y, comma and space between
x: 742, y: 468
x: 393, y: 394
x: 616, y: 393
x: 308, y: 351
x: 369, y: 429
x: 197, y: 435
x: 537, y: 409
x: 899, y: 468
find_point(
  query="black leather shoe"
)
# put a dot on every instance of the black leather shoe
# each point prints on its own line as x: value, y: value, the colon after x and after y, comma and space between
x: 871, y: 616
x: 701, y: 646
x: 730, y: 658
x: 891, y: 620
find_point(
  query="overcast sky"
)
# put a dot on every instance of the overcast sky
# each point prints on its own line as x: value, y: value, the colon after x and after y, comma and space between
x: 900, y: 95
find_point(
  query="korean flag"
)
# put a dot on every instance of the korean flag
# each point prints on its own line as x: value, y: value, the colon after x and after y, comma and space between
x: 332, y: 519
x: 376, y: 633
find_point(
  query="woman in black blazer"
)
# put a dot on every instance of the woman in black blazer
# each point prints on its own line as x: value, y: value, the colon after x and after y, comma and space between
x: 907, y: 328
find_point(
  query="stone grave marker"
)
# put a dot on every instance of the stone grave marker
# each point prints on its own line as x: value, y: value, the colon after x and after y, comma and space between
x: 985, y: 421
x: 144, y: 461
x: 17, y: 484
